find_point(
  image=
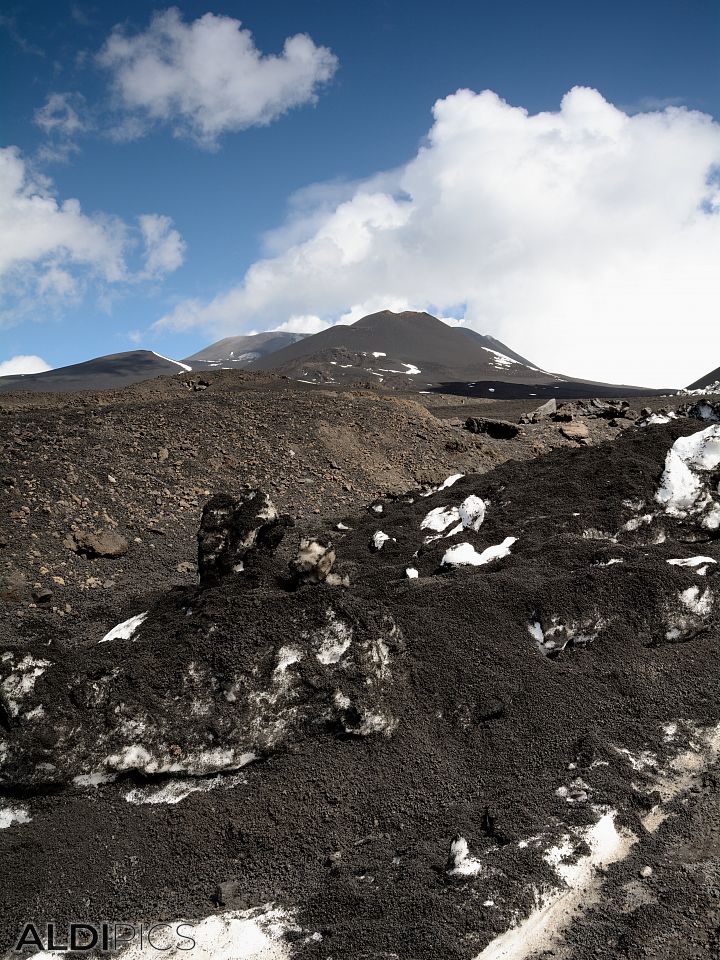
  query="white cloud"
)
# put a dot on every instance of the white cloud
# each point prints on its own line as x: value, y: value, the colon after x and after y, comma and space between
x: 63, y: 114
x: 50, y: 249
x: 207, y: 77
x: 23, y: 364
x: 306, y: 323
x: 164, y: 247
x: 587, y: 238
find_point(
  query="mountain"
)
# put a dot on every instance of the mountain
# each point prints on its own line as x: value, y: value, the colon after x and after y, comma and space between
x: 103, y: 373
x: 409, y: 352
x: 241, y: 352
x: 708, y: 380
x: 402, y: 349
x: 416, y: 351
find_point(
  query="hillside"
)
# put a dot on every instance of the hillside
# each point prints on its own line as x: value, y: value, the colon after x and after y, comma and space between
x: 240, y: 352
x: 111, y: 372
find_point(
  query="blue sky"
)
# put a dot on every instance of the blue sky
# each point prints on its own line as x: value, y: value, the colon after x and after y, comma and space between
x: 392, y: 62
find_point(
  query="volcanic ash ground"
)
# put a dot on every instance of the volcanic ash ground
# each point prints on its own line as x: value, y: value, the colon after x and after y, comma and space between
x: 458, y: 724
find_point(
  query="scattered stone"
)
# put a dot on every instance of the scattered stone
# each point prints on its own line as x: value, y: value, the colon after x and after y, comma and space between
x: 42, y: 595
x: 575, y: 431
x: 313, y: 561
x: 497, y: 429
x: 646, y: 872
x: 545, y: 410
x: 107, y: 543
x: 163, y: 454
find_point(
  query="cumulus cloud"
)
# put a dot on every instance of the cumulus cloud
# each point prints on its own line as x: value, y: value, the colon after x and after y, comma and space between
x: 207, y: 77
x: 164, y: 247
x: 587, y: 238
x: 50, y: 248
x: 23, y: 364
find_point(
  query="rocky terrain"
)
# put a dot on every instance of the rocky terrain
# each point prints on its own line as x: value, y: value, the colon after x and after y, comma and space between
x: 338, y: 673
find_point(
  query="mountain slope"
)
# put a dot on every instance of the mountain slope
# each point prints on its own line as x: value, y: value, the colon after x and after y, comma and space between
x: 404, y: 344
x: 415, y: 351
x: 241, y: 352
x: 102, y: 373
x: 707, y: 380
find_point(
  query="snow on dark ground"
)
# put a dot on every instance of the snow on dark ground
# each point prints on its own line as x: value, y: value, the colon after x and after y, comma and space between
x: 408, y: 766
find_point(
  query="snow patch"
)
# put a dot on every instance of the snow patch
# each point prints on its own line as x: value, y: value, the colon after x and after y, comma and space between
x: 183, y: 366
x: 11, y: 815
x: 125, y: 630
x: 379, y: 539
x: 685, y: 488
x: 465, y: 554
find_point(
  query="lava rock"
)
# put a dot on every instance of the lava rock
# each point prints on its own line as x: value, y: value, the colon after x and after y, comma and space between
x: 230, y: 530
x: 497, y: 429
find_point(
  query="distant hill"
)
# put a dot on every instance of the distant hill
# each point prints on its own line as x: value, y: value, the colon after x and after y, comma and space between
x: 103, y: 373
x: 241, y: 352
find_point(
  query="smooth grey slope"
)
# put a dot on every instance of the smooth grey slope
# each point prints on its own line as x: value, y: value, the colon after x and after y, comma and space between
x: 102, y: 373
x: 241, y: 351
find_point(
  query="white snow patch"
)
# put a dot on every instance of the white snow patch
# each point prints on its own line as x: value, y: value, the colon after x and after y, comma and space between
x: 411, y: 573
x: 334, y: 640
x: 701, y: 563
x: 499, y: 360
x: 700, y: 605
x: 555, y: 911
x: 465, y: 554
x: 183, y: 366
x: 176, y: 790
x: 377, y: 353
x: 137, y: 757
x: 11, y: 815
x: 257, y: 934
x: 21, y: 681
x: 412, y: 370
x: 468, y: 516
x: 126, y: 629
x: 463, y: 865
x: 683, y: 489
x: 379, y: 539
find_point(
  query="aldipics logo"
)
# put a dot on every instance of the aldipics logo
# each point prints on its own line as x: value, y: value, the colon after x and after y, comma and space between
x: 105, y: 937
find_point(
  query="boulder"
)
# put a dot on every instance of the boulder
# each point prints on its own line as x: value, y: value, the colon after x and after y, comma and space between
x: 497, y: 429
x: 107, y: 543
x: 545, y: 410
x: 575, y: 431
x: 231, y: 530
